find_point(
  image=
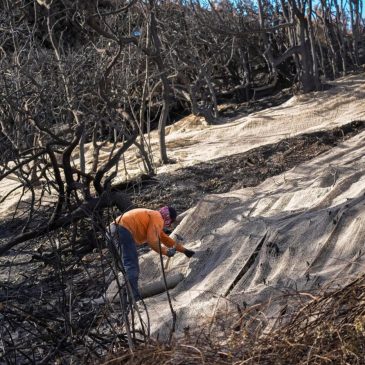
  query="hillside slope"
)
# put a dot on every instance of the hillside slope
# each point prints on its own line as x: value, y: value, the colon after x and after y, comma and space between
x: 267, y: 247
x: 295, y: 233
x: 189, y: 141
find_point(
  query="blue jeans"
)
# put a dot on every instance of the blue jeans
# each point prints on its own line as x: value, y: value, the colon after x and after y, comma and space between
x: 124, y: 243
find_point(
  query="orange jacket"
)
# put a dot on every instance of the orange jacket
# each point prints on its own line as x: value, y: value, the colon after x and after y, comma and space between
x: 146, y: 226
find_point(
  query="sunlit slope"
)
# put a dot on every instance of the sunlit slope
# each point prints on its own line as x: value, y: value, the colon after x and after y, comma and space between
x: 190, y: 141
x: 295, y: 233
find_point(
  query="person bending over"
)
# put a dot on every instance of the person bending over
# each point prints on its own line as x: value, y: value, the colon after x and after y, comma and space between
x: 139, y: 226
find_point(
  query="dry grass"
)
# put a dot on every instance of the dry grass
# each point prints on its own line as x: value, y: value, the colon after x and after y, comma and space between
x: 330, y: 329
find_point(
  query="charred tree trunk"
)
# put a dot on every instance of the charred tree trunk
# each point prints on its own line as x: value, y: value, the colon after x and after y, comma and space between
x: 313, y: 47
x: 166, y: 90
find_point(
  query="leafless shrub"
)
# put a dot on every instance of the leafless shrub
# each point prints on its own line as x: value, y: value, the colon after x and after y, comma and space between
x: 327, y: 329
x: 74, y: 72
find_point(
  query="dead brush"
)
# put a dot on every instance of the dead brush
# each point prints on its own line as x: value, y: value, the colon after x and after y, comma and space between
x: 329, y: 329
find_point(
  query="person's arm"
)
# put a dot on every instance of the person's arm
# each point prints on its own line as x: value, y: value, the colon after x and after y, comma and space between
x: 155, y: 234
x: 153, y: 237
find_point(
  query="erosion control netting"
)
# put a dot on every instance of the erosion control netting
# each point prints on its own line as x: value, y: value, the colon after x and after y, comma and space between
x: 327, y: 330
x: 190, y: 141
x: 297, y: 232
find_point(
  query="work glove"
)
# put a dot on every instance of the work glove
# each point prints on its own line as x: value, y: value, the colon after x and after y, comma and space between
x: 189, y: 253
x: 171, y: 252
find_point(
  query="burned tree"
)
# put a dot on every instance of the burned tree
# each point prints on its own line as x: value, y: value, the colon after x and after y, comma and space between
x: 51, y: 105
x: 93, y: 78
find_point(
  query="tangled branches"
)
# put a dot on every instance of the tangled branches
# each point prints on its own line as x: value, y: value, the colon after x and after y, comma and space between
x: 329, y: 329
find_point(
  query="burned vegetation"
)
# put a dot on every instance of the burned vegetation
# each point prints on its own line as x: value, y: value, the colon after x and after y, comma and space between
x: 81, y: 77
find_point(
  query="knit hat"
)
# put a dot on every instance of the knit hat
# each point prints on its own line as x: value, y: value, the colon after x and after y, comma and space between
x: 168, y: 215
